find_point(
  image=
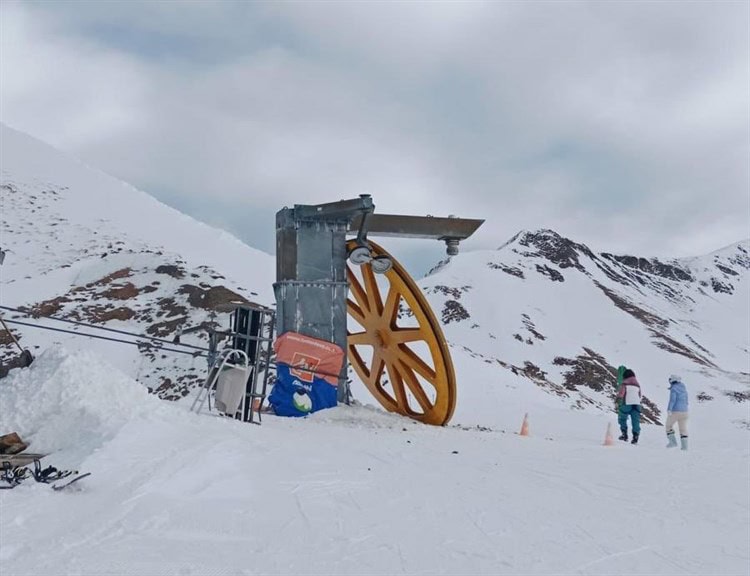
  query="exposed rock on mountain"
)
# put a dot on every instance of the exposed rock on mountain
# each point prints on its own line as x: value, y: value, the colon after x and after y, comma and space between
x: 543, y: 318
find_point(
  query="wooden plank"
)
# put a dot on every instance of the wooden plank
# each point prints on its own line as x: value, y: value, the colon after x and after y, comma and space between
x: 12, y: 444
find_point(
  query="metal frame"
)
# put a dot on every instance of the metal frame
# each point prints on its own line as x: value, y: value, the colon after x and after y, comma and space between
x: 311, y: 280
x: 251, y: 335
x: 259, y: 350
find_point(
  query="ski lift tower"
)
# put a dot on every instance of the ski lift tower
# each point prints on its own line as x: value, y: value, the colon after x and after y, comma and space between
x: 322, y: 278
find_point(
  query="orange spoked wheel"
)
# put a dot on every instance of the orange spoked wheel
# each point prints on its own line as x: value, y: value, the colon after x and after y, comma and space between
x: 396, y: 345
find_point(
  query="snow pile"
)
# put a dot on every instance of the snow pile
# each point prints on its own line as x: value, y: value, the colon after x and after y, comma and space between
x: 72, y: 401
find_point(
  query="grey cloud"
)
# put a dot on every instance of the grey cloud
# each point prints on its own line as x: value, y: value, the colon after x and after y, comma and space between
x: 622, y: 125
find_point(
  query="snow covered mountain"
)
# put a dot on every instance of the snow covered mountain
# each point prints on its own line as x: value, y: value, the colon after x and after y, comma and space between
x: 84, y: 246
x: 547, y: 310
x: 542, y: 318
x: 535, y: 327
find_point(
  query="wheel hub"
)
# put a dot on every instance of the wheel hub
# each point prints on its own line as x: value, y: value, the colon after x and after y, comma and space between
x: 381, y: 339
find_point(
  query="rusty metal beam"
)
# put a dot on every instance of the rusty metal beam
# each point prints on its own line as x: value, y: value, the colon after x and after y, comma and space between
x: 428, y: 227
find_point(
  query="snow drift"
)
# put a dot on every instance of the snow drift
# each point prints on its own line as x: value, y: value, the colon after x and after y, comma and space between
x: 70, y: 402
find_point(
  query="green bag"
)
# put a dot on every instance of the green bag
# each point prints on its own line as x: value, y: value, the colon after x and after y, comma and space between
x: 620, y: 373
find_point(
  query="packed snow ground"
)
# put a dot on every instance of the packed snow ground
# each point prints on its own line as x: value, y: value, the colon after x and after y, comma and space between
x: 354, y: 490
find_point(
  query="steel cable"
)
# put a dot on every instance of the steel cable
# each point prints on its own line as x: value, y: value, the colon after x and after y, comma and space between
x: 160, y: 348
x: 105, y: 328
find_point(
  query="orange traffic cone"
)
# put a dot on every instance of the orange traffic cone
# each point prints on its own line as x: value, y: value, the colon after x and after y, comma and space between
x: 525, y: 425
x: 608, y: 441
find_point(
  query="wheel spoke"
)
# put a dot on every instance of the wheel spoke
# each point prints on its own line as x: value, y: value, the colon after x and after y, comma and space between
x: 356, y: 360
x: 359, y: 338
x: 356, y: 312
x: 388, y: 401
x: 390, y: 308
x: 376, y: 367
x: 401, y: 335
x: 414, y: 362
x: 416, y: 388
x: 359, y: 293
x: 398, y: 387
x: 373, y: 291
x: 414, y: 307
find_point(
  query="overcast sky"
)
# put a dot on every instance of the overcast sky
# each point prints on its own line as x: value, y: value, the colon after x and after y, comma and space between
x: 625, y: 126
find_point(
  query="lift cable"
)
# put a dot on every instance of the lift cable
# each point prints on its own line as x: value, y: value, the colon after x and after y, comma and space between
x: 105, y: 328
x: 159, y: 348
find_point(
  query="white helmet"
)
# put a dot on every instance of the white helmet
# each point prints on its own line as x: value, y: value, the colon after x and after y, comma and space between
x: 674, y: 378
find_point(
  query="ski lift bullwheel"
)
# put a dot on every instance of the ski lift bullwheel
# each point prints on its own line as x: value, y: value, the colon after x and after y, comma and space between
x: 396, y: 344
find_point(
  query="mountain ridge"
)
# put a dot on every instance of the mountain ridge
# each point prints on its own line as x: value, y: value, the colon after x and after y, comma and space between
x: 542, y: 317
x: 669, y: 308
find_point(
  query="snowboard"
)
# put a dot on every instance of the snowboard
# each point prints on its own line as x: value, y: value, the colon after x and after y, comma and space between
x: 57, y: 486
x: 11, y: 476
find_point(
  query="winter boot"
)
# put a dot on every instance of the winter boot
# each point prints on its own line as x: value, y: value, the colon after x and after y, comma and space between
x: 671, y: 440
x: 635, y: 439
x: 624, y: 436
x: 683, y: 442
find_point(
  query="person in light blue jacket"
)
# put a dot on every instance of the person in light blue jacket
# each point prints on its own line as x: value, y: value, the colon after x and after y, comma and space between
x: 677, y: 412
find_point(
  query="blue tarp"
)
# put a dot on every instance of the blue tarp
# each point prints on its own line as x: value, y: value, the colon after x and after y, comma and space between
x: 292, y: 397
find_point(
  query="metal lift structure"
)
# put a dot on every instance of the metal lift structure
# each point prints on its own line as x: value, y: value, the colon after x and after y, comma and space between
x: 334, y: 284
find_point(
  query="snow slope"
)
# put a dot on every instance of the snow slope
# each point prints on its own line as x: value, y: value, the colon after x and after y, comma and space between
x: 73, y: 211
x: 84, y: 246
x: 354, y: 491
x: 546, y: 313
